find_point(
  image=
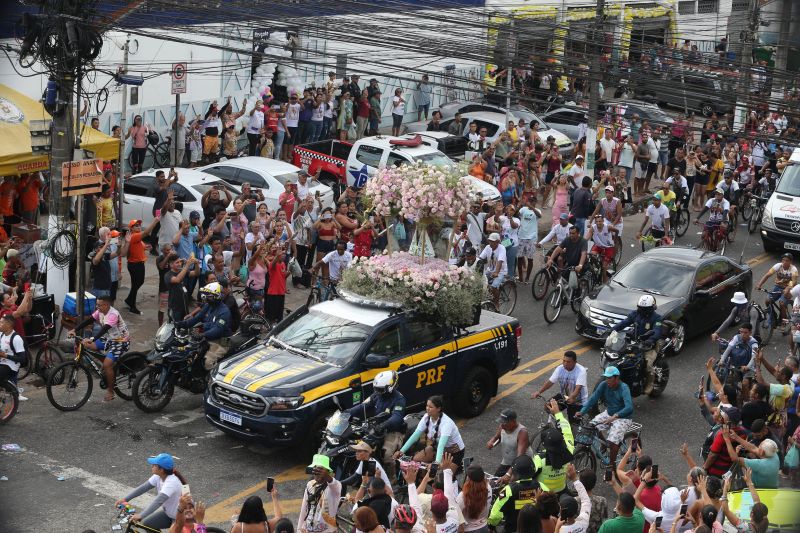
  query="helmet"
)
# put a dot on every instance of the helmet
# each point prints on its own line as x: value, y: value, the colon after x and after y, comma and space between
x: 211, y: 293
x: 385, y: 382
x: 646, y: 305
x: 404, y: 516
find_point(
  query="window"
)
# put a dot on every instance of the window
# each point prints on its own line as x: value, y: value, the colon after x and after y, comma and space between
x: 423, y: 334
x: 491, y: 129
x: 369, y: 155
x: 134, y: 100
x: 687, y: 8
x: 139, y: 186
x: 704, y: 279
x: 228, y: 174
x: 707, y: 6
x: 387, y: 342
x: 723, y: 270
x: 181, y: 194
x: 740, y: 5
x: 253, y: 178
x: 395, y: 160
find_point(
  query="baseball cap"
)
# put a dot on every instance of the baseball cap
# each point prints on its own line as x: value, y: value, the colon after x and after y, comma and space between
x: 563, y: 216
x: 610, y: 188
x: 494, y: 237
x: 569, y: 506
x: 733, y: 414
x: 194, y: 214
x: 114, y: 233
x: 164, y: 460
x: 133, y: 223
x: 12, y: 253
x: 506, y: 415
x: 579, y: 156
x: 523, y: 466
x: 361, y: 446
x: 610, y: 372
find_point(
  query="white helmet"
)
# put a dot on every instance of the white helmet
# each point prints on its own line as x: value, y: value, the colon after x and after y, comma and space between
x: 646, y: 304
x: 385, y: 382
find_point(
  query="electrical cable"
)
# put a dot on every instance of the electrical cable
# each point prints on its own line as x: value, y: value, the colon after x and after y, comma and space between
x: 61, y: 247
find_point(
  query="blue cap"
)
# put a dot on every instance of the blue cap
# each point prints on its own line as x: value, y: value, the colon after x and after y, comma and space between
x: 194, y: 214
x: 164, y: 460
x: 563, y: 216
x: 610, y: 372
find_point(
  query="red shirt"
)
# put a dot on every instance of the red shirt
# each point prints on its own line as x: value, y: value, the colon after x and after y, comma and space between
x: 277, y: 279
x: 7, y: 195
x: 288, y: 206
x: 136, y: 249
x: 723, y: 461
x: 28, y: 190
x: 650, y: 498
x: 363, y: 109
x: 362, y: 245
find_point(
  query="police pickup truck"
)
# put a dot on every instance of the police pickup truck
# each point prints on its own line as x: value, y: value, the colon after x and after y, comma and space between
x: 283, y: 391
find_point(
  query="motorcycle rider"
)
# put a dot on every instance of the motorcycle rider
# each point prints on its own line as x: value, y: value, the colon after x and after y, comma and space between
x: 619, y: 409
x: 743, y: 312
x: 559, y: 444
x: 741, y: 351
x: 647, y: 327
x: 522, y: 490
x: 385, y: 398
x: 514, y: 441
x: 216, y: 319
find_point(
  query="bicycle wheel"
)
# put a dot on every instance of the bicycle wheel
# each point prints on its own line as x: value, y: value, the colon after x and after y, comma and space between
x: 722, y: 244
x: 125, y: 370
x: 769, y: 325
x: 584, y: 458
x: 69, y: 386
x: 47, y: 358
x: 617, y: 254
x: 162, y: 154
x: 541, y: 282
x: 755, y: 220
x: 9, y: 401
x: 730, y: 235
x: 682, y: 219
x: 313, y: 297
x: 552, y: 306
x: 746, y: 209
x: 580, y: 293
x: 508, y: 297
x: 489, y: 306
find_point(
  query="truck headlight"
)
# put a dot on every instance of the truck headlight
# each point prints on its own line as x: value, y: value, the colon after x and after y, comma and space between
x: 766, y: 220
x: 283, y: 403
x: 585, y: 307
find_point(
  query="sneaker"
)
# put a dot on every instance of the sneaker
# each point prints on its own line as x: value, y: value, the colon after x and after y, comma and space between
x: 134, y: 310
x: 23, y: 398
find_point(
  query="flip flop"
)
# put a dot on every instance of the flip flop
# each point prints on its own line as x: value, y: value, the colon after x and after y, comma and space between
x: 109, y: 399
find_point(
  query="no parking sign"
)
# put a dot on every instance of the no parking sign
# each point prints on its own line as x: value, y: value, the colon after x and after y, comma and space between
x: 178, y: 78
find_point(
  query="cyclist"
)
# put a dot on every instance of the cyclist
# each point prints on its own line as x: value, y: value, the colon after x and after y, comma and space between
x: 558, y: 232
x: 168, y: 483
x: 679, y: 186
x: 719, y: 208
x: 742, y: 351
x: 616, y: 419
x: 385, y: 398
x: 494, y: 255
x: 521, y: 491
x: 12, y: 350
x: 514, y: 440
x: 658, y: 216
x: 336, y: 261
x: 669, y: 199
x: 216, y: 319
x: 573, y: 249
x: 646, y: 327
x: 732, y: 192
x: 611, y: 208
x: 785, y: 278
x: 113, y: 339
x: 767, y: 183
x: 602, y: 235
x: 571, y: 379
x: 743, y: 312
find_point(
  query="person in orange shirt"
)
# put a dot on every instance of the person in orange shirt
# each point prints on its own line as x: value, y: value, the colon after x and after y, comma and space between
x: 136, y: 259
x: 8, y: 194
x: 28, y: 188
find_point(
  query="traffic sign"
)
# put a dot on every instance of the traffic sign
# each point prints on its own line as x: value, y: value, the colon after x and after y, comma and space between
x: 179, y: 78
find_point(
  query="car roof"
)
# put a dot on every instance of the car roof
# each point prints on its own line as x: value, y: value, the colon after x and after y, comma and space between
x: 684, y: 255
x: 383, y: 142
x: 559, y: 109
x: 259, y: 164
x: 186, y: 176
x: 489, y: 116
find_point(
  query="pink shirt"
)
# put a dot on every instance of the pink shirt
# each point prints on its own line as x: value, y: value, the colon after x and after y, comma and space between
x: 139, y: 135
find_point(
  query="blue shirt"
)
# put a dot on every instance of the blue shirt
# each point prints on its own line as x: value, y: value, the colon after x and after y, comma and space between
x: 765, y: 471
x: 618, y: 401
x: 528, y: 224
x: 185, y: 247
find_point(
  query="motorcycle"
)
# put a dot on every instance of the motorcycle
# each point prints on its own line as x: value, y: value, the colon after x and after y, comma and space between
x: 342, y: 431
x: 177, y: 359
x: 628, y: 356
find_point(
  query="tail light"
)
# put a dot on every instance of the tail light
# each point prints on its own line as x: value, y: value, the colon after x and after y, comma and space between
x: 518, y: 335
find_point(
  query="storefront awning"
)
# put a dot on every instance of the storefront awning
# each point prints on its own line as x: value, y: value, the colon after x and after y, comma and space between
x: 16, y: 157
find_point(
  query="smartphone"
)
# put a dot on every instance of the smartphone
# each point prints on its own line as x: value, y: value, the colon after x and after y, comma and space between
x: 369, y: 468
x: 309, y: 470
x: 607, y: 475
x: 158, y: 212
x: 727, y: 475
x: 433, y: 469
x: 654, y: 472
x: 185, y: 490
x: 26, y: 286
x: 270, y: 484
x: 634, y: 444
x: 658, y: 521
x: 684, y: 509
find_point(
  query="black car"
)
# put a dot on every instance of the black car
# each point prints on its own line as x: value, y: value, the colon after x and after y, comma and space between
x: 692, y: 288
x: 646, y: 111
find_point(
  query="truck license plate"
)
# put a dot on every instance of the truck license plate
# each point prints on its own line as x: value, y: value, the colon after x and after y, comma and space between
x: 602, y: 331
x: 792, y: 246
x: 230, y: 417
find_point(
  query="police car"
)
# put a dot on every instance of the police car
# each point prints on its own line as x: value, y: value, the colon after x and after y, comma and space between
x: 325, y: 357
x: 780, y: 223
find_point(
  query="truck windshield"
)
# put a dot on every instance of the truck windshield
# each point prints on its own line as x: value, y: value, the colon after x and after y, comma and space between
x: 291, y: 177
x: 790, y: 181
x: 437, y: 159
x: 329, y: 338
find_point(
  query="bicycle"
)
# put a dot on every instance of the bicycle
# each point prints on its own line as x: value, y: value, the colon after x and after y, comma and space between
x: 47, y: 357
x: 123, y: 520
x: 564, y: 292
x: 648, y: 241
x: 320, y: 291
x: 9, y: 401
x: 68, y: 377
x: 714, y: 237
x: 507, y: 299
x: 591, y: 445
x: 543, y: 278
x: 758, y: 205
x: 772, y: 315
x: 156, y: 156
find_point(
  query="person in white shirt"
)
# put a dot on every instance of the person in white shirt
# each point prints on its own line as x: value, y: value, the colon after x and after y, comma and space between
x: 608, y: 145
x: 652, y: 165
x: 167, y: 481
x: 398, y: 111
x: 601, y: 235
x: 679, y: 186
x: 577, y: 172
x: 574, y: 518
x: 336, y: 261
x: 12, y: 349
x: 510, y: 232
x: 255, y: 126
x: 658, y: 216
x: 529, y: 217
x: 320, y: 498
x: 558, y: 232
x: 572, y: 383
x: 475, y: 222
x: 440, y: 432
x: 494, y: 255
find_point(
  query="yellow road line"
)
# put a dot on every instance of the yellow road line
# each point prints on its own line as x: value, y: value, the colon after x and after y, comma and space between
x: 760, y: 258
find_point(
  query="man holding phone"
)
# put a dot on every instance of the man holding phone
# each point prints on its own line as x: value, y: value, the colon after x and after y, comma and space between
x: 367, y: 465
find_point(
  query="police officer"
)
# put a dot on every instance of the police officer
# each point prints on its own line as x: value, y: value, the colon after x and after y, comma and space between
x: 216, y: 319
x: 385, y: 399
x: 559, y: 445
x: 522, y: 490
x: 647, y: 327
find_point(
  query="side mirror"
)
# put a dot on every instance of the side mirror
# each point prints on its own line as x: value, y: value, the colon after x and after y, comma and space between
x: 702, y: 292
x: 374, y: 360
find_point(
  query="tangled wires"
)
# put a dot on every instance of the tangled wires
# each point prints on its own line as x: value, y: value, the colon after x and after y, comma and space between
x: 62, y: 247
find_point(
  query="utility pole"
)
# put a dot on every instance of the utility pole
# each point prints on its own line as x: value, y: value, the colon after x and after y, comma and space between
x: 595, y: 74
x: 123, y: 125
x: 748, y: 36
x: 780, y: 78
x: 511, y: 49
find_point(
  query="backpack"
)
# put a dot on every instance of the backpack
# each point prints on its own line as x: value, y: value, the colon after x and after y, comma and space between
x: 26, y: 355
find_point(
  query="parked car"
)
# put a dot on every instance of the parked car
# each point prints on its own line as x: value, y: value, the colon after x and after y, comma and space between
x: 646, y: 110
x: 693, y: 288
x: 701, y: 92
x: 268, y: 175
x: 140, y: 191
x: 567, y: 120
x: 780, y: 223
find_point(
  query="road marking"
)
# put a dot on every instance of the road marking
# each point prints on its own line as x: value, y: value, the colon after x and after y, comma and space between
x: 757, y: 260
x: 180, y: 418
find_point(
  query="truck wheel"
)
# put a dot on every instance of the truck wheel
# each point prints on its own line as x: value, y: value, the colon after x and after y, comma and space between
x: 475, y: 393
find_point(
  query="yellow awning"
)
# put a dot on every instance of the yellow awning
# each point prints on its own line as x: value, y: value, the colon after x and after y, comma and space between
x: 16, y: 112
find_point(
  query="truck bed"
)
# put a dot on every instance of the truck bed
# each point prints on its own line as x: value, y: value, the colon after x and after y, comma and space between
x: 331, y: 148
x: 489, y: 320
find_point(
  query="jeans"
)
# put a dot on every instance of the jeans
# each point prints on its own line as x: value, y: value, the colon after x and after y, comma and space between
x: 302, y: 132
x: 580, y: 223
x: 279, y: 143
x: 136, y: 271
x: 158, y: 520
x: 137, y: 158
x: 315, y: 131
x: 373, y: 125
x: 326, y: 128
x: 252, y: 143
x: 511, y: 257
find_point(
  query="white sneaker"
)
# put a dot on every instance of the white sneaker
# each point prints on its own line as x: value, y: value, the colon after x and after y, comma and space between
x: 23, y: 398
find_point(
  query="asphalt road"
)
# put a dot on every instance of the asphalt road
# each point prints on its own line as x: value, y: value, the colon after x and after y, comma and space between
x: 73, y: 466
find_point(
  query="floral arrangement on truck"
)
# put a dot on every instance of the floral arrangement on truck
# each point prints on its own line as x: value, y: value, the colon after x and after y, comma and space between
x: 417, y: 279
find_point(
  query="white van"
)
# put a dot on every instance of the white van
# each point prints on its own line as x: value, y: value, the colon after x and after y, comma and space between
x: 780, y: 225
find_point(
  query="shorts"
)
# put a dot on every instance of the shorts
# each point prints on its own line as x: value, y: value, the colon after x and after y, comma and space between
x: 424, y: 108
x: 617, y: 429
x: 397, y: 120
x: 549, y: 177
x: 527, y: 248
x: 163, y: 301
x: 113, y: 349
x: 195, y: 155
x: 663, y: 158
x: 497, y: 282
x: 325, y: 246
x: 652, y: 168
x: 700, y: 179
x: 776, y: 294
x: 293, y: 133
x: 101, y: 292
x: 605, y: 253
x: 210, y: 145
